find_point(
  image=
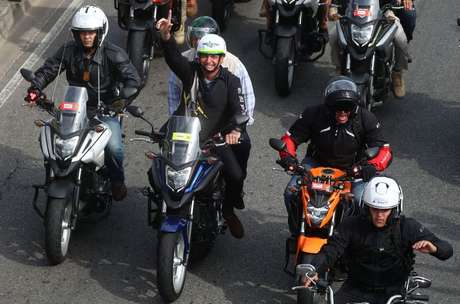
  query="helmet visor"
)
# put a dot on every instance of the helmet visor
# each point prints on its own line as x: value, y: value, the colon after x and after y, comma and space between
x: 196, y: 33
x: 344, y: 105
x: 341, y: 85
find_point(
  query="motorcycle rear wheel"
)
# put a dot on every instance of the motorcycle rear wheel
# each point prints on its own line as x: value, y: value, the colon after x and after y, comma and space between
x: 138, y: 52
x: 171, y: 268
x: 57, y: 229
x: 284, y: 65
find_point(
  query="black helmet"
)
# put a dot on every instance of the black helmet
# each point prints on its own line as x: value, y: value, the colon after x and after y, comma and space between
x: 201, y: 26
x: 341, y: 94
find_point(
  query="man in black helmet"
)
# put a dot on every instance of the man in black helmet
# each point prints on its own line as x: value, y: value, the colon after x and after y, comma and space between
x: 339, y: 131
x: 100, y: 66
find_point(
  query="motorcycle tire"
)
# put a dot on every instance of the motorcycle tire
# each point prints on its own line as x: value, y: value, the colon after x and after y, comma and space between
x: 57, y: 229
x: 138, y: 52
x: 284, y: 65
x: 171, y: 271
x: 306, y: 296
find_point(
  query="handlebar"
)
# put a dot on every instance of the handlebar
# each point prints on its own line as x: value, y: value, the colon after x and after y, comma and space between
x: 143, y: 133
x: 414, y: 297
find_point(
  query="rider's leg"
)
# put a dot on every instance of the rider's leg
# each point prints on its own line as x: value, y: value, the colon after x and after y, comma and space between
x: 408, y: 21
x: 242, y: 151
x: 114, y: 158
x: 401, y: 59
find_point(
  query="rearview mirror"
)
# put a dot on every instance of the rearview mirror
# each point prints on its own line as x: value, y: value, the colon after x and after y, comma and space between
x: 277, y: 144
x: 421, y: 282
x: 135, y: 111
x: 28, y: 75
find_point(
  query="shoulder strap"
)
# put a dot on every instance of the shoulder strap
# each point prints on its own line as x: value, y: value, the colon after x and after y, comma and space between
x: 357, y: 126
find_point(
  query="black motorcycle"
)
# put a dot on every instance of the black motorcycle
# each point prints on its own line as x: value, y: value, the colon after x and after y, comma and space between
x: 139, y: 17
x: 186, y: 196
x: 365, y: 37
x: 221, y: 10
x: 294, y: 37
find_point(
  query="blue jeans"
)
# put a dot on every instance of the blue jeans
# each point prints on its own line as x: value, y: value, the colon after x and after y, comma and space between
x: 292, y: 189
x: 114, y: 151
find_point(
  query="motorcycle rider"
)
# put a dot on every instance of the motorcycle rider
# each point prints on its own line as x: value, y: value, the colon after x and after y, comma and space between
x: 198, y: 28
x: 339, y: 131
x: 400, y: 41
x: 381, y: 243
x: 216, y: 94
x: 92, y: 62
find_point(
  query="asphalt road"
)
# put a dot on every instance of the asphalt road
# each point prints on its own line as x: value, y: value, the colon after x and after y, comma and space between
x: 114, y: 261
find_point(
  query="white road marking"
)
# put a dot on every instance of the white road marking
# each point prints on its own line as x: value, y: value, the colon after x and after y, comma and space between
x: 14, y: 82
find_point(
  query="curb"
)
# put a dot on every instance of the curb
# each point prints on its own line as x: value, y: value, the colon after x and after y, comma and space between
x: 10, y: 12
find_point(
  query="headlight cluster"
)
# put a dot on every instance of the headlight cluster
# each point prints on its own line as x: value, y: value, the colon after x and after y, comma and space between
x: 317, y: 214
x: 177, y: 180
x: 66, y: 147
x: 361, y: 35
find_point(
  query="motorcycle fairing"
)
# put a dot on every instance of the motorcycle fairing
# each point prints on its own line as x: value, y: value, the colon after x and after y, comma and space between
x: 285, y: 31
x: 363, y: 11
x: 308, y: 244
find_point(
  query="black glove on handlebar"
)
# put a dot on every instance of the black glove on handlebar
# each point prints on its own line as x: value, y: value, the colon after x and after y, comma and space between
x: 367, y: 172
x: 288, y: 163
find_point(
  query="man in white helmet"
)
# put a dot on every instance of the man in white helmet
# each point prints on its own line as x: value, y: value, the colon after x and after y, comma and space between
x: 101, y: 67
x: 380, y: 244
x: 217, y: 95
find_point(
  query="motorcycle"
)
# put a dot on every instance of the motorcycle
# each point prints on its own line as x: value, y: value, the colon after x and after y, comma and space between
x: 221, y: 11
x: 295, y: 38
x: 323, y: 200
x: 77, y: 184
x: 408, y: 295
x: 185, y: 198
x: 139, y: 17
x: 365, y: 38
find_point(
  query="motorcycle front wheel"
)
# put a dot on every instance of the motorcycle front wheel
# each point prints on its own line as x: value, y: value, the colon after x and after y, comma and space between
x: 57, y: 229
x: 171, y: 267
x: 138, y: 52
x: 306, y: 296
x: 284, y: 65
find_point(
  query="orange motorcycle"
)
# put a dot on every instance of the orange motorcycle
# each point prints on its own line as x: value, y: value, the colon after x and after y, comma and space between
x: 321, y: 200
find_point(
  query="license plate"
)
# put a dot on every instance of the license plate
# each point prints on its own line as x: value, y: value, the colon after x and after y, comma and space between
x: 320, y: 186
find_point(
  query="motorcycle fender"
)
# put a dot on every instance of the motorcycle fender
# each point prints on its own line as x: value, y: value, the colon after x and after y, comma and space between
x: 308, y: 244
x: 60, y: 188
x: 341, y: 36
x: 285, y: 31
x: 389, y: 35
x: 173, y: 224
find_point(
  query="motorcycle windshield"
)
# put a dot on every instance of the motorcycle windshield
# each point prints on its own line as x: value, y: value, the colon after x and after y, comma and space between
x: 182, y: 140
x: 71, y: 111
x: 363, y: 11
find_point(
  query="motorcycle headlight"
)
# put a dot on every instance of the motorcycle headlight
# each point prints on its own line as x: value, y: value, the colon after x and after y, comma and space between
x: 66, y: 147
x: 177, y: 180
x: 361, y: 34
x: 317, y: 214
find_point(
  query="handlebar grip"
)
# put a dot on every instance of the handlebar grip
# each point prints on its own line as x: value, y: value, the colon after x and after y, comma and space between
x: 418, y: 297
x: 143, y: 133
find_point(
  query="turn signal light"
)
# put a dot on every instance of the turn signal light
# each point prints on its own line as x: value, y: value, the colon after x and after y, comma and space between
x: 150, y: 155
x: 39, y: 123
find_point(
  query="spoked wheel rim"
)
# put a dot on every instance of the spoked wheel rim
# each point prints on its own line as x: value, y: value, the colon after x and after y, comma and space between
x: 66, y: 230
x: 179, y: 267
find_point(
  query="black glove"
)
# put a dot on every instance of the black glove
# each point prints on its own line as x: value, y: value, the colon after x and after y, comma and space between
x: 288, y: 163
x: 367, y: 172
x: 33, y: 95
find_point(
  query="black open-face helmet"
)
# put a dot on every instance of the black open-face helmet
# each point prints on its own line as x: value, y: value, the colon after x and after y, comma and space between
x: 341, y: 94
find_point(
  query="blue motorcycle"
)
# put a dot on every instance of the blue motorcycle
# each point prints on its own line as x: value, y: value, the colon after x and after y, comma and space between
x: 186, y: 196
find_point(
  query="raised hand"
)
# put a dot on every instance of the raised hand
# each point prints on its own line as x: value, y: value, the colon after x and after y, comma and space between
x: 164, y: 27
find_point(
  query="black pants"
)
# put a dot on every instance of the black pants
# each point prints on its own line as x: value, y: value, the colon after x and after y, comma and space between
x: 349, y: 293
x: 235, y: 159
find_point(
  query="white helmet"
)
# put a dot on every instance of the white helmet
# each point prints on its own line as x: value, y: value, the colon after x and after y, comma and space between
x: 383, y: 193
x: 90, y: 18
x: 212, y: 44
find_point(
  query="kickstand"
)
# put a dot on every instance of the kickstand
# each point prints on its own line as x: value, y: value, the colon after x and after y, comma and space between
x: 34, y: 202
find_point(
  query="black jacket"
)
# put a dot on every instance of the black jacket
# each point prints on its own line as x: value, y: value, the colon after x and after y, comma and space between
x: 219, y: 101
x: 337, y: 145
x: 377, y: 258
x: 113, y: 62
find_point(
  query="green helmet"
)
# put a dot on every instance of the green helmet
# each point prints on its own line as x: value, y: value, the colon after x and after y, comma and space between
x: 201, y: 26
x: 211, y: 44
